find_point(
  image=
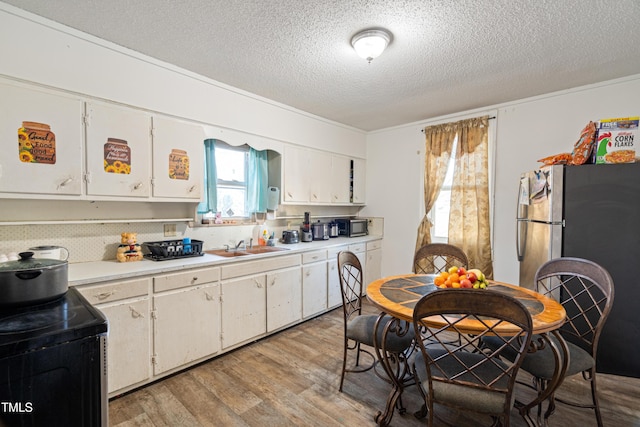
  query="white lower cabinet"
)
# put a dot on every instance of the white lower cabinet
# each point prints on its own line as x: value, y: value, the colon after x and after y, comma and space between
x: 284, y: 298
x: 334, y: 293
x: 244, y: 309
x: 259, y: 296
x: 128, y: 349
x: 186, y: 326
x: 314, y: 283
x: 126, y: 305
x: 374, y: 261
x: 360, y: 250
x: 160, y: 324
x: 186, y: 318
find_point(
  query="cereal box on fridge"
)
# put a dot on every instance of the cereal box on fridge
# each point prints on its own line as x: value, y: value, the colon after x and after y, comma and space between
x: 617, y: 140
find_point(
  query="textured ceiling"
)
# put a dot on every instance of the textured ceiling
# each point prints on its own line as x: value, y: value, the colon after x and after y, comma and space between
x: 445, y: 57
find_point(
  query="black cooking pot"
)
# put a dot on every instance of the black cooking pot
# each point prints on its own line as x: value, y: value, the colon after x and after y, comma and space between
x: 32, y: 281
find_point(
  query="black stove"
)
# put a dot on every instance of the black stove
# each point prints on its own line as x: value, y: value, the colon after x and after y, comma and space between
x: 53, y: 363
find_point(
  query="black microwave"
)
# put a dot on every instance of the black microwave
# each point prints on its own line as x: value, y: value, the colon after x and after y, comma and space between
x: 352, y: 227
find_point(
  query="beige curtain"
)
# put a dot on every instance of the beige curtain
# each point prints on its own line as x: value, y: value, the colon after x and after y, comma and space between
x: 439, y: 143
x: 469, y: 227
x: 469, y: 212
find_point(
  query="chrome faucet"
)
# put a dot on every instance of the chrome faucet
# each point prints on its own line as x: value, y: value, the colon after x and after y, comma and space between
x: 241, y: 243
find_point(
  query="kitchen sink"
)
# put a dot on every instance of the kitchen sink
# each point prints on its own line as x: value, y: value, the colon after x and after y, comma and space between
x: 264, y: 249
x: 225, y: 253
x: 256, y: 250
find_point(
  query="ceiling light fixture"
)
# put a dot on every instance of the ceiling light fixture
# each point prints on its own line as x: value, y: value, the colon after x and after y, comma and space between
x: 369, y: 44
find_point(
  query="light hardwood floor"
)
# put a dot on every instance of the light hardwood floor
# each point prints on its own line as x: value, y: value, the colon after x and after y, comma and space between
x: 292, y: 378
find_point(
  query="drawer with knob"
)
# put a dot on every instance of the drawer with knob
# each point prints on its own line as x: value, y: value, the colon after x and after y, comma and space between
x: 103, y: 293
x: 189, y: 278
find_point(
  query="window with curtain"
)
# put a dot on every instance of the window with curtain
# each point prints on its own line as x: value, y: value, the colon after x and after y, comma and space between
x: 439, y: 214
x: 236, y: 180
x: 456, y: 187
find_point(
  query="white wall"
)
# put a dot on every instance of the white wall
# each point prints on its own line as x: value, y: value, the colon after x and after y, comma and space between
x: 527, y: 130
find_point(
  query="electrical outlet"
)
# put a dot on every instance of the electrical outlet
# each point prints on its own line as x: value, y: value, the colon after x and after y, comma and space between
x: 170, y: 230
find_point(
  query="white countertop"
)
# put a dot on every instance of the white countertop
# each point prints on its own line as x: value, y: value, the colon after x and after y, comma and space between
x: 101, y: 271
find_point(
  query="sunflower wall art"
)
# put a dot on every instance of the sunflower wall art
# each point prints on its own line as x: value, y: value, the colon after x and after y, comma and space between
x: 178, y: 164
x: 36, y: 143
x: 117, y: 156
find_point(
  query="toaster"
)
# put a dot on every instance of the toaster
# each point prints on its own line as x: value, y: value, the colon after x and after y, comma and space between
x: 290, y: 236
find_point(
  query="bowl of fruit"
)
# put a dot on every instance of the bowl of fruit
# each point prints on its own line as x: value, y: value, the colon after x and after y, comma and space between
x: 461, y: 278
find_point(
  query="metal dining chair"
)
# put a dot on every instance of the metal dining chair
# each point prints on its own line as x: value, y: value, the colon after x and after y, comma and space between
x: 434, y: 258
x: 585, y: 290
x: 464, y: 377
x: 359, y: 328
x: 437, y: 257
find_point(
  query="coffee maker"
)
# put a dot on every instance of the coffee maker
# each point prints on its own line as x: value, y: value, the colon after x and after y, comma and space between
x: 305, y: 230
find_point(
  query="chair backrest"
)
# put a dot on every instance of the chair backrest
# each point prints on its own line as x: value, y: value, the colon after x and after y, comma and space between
x: 437, y: 257
x: 585, y: 290
x: 350, y: 272
x: 469, y: 364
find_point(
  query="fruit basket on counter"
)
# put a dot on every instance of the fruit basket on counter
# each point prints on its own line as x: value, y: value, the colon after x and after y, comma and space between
x: 172, y: 249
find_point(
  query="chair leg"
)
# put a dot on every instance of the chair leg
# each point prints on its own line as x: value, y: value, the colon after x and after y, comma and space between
x: 422, y: 412
x: 594, y: 398
x: 344, y: 363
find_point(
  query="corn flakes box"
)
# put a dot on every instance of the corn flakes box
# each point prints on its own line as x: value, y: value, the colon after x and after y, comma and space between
x: 617, y: 140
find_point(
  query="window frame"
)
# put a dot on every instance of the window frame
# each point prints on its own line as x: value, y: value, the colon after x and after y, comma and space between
x: 226, y: 184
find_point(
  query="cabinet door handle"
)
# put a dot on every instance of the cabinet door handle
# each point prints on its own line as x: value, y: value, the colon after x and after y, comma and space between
x: 208, y: 296
x: 315, y: 196
x: 195, y: 279
x: 65, y: 182
x: 307, y: 274
x: 289, y: 194
x: 191, y: 189
x: 258, y: 284
x: 104, y: 295
x: 135, y: 314
x: 273, y: 282
x: 138, y: 186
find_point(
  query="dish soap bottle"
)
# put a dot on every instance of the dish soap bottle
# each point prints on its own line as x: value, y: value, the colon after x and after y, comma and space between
x: 263, y: 236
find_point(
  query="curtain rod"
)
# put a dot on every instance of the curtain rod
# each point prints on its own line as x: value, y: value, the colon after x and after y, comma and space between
x: 490, y: 118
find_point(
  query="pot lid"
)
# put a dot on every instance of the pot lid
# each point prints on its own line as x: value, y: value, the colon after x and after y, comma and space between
x: 27, y: 262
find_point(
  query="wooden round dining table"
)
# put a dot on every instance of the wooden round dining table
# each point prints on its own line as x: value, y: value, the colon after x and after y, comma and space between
x: 396, y: 297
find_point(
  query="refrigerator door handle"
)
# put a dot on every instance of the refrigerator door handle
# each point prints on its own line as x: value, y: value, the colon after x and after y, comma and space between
x: 521, y: 237
x: 522, y: 212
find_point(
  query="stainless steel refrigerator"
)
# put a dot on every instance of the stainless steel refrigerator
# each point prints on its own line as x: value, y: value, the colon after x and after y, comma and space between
x: 591, y: 212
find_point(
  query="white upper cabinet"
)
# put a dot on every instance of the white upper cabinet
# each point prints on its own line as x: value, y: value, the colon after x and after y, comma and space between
x: 118, y: 151
x: 178, y: 148
x: 340, y: 176
x: 295, y: 175
x: 40, y: 141
x: 320, y: 178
